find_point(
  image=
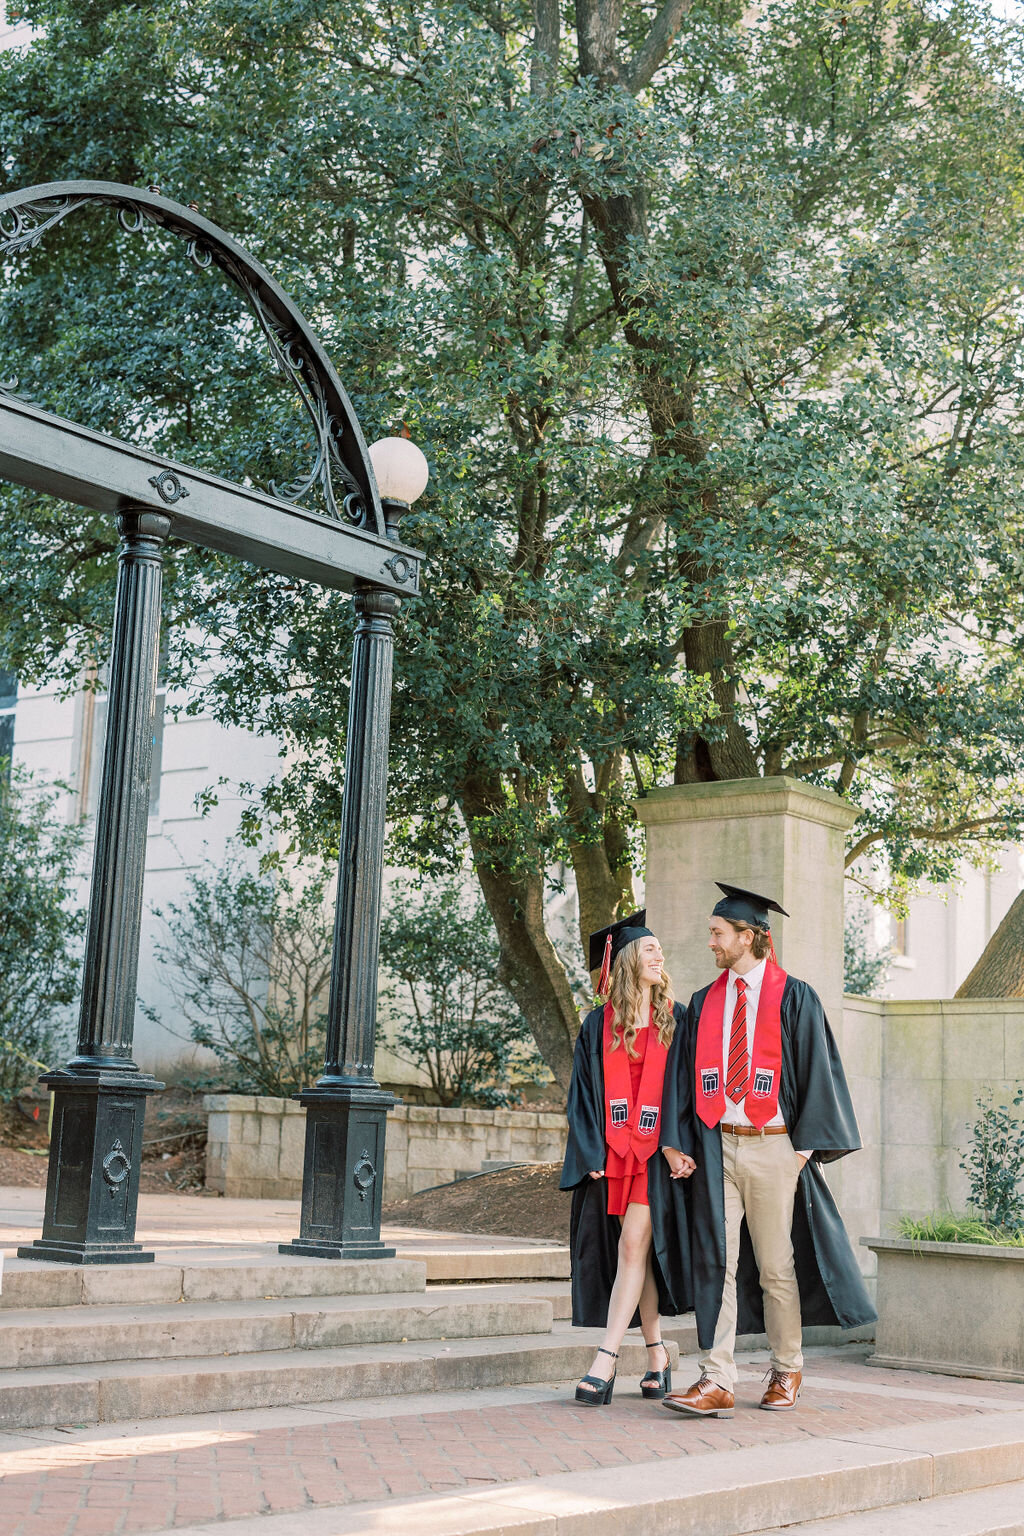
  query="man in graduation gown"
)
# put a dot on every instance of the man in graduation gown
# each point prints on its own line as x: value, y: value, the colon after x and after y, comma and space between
x: 768, y: 1104
x: 593, y: 1234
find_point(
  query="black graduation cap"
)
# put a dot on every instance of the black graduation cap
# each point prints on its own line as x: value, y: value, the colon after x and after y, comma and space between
x: 740, y: 906
x: 606, y: 944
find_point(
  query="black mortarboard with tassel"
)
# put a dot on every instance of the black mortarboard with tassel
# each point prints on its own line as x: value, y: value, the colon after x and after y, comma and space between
x: 608, y: 942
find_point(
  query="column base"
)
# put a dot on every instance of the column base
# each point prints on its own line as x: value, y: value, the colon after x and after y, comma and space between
x: 342, y: 1184
x: 92, y: 1184
x: 354, y: 1250
x: 85, y: 1253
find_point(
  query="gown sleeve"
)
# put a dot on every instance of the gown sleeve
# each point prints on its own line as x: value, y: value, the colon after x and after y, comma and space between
x: 585, y: 1149
x: 677, y: 1096
x: 824, y: 1118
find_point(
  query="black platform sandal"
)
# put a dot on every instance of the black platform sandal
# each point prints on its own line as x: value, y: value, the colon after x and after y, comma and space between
x: 603, y: 1389
x: 656, y: 1383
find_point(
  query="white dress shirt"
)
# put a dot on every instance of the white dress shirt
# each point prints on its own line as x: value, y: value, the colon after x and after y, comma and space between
x: 735, y: 1114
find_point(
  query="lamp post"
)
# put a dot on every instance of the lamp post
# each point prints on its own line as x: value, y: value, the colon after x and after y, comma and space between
x: 346, y: 1108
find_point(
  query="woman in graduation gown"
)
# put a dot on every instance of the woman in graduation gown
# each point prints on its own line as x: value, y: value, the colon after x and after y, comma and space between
x: 628, y: 1232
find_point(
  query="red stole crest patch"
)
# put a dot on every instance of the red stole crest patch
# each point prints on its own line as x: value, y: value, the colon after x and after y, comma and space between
x: 761, y: 1102
x: 628, y: 1125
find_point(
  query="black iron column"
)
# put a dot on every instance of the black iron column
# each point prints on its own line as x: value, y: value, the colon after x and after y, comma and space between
x: 346, y: 1109
x: 100, y: 1097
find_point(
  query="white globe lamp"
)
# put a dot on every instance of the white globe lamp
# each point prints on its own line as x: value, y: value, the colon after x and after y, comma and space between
x: 402, y: 472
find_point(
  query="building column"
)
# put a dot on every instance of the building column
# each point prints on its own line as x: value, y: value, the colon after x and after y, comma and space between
x: 779, y: 837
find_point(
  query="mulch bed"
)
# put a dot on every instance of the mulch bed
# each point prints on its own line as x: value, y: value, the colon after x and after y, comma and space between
x: 511, y: 1202
x: 21, y: 1169
x: 181, y: 1174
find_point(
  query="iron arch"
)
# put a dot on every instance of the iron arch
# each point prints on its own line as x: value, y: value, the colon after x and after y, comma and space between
x: 341, y: 475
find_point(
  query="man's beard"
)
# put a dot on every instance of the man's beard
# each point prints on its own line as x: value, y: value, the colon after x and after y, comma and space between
x: 724, y: 958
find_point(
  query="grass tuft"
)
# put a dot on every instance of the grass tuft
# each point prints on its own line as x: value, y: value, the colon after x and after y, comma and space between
x: 948, y: 1228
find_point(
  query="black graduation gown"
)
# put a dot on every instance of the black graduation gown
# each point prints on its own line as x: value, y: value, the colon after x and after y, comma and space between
x: 593, y: 1234
x: 815, y: 1103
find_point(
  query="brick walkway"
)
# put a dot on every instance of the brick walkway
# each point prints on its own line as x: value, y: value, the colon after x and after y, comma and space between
x: 113, y: 1479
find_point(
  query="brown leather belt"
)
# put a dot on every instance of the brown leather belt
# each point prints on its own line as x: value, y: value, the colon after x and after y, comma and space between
x: 752, y: 1130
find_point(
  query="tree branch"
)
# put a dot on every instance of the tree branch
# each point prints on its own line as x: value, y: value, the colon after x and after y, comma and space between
x: 927, y: 834
x: 654, y: 49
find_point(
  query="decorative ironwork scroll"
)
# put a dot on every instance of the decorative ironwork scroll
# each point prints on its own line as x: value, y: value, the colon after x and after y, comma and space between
x: 340, y: 477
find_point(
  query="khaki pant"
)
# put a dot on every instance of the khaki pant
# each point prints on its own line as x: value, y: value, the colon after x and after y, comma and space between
x: 761, y: 1175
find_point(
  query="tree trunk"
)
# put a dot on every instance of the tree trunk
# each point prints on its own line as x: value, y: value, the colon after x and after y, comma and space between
x: 620, y: 224
x: 529, y: 966
x: 599, y: 848
x: 999, y: 971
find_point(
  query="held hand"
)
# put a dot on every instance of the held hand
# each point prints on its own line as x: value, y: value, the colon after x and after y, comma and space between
x: 680, y: 1166
x: 597, y: 1173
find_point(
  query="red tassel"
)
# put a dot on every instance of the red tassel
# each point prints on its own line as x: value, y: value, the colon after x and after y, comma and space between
x: 606, y: 969
x: 772, y: 956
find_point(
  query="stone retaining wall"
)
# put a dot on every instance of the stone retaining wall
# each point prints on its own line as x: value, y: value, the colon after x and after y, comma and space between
x: 916, y: 1070
x: 255, y: 1145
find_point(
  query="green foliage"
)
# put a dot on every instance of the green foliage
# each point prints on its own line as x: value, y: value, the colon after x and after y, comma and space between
x: 718, y: 368
x: 865, y: 966
x: 439, y: 955
x: 41, y: 930
x: 994, y: 1163
x: 949, y: 1228
x: 248, y: 963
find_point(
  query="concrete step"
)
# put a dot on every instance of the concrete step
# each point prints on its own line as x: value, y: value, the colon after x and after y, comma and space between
x: 556, y: 1292
x: 27, y: 1283
x: 997, y: 1511
x: 63, y: 1336
x: 958, y: 1478
x: 450, y: 1264
x: 105, y: 1391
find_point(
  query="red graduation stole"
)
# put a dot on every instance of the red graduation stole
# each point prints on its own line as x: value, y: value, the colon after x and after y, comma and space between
x: 761, y: 1101
x: 629, y: 1126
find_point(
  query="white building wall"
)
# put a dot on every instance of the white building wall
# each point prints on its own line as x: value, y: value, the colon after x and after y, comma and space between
x: 51, y: 739
x: 946, y: 931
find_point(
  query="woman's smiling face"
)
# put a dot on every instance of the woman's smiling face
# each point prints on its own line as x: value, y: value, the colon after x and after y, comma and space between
x: 652, y: 961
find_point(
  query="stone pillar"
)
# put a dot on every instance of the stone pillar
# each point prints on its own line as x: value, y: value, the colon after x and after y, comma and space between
x: 786, y: 839
x: 779, y: 837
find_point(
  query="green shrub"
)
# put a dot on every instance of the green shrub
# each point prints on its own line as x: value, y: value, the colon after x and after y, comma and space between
x: 248, y: 962
x: 439, y: 956
x: 994, y: 1163
x: 865, y: 966
x: 40, y: 931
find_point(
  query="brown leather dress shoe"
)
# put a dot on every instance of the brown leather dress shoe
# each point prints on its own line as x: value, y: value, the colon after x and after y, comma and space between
x: 783, y: 1391
x: 705, y: 1400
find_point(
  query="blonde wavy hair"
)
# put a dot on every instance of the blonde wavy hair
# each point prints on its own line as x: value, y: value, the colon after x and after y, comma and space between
x: 625, y: 993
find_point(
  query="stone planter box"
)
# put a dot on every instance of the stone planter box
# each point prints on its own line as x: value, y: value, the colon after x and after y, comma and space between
x: 956, y: 1308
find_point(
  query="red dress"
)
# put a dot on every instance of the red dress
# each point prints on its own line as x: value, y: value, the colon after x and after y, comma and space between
x: 627, y: 1176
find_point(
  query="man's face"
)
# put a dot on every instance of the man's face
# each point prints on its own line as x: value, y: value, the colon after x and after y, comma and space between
x: 726, y: 943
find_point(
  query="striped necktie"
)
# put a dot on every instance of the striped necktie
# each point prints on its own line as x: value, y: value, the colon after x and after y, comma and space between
x: 739, y: 1061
